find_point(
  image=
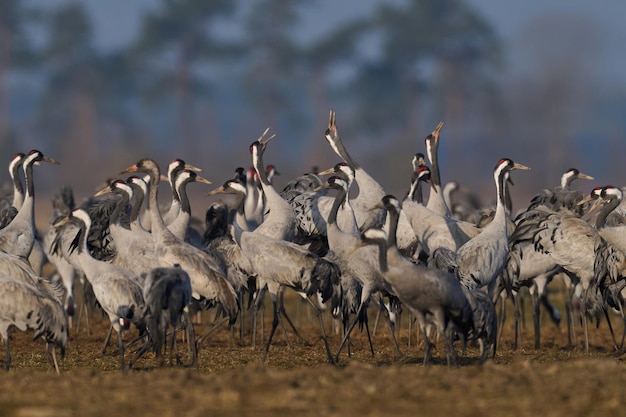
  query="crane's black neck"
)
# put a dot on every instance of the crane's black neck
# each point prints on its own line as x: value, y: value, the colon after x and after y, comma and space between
x: 135, y: 207
x: 259, y: 166
x: 184, y: 198
x: 18, y: 189
x: 340, y: 198
x: 340, y: 150
x: 433, y: 150
x: 394, y: 216
x: 606, y: 209
x: 120, y: 207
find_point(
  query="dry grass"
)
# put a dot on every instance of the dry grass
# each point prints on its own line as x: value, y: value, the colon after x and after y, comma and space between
x: 554, y: 380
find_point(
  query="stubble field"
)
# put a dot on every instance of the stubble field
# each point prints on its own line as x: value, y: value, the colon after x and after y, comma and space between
x: 231, y: 380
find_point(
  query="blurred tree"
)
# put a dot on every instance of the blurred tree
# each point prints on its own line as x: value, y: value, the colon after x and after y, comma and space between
x: 85, y: 91
x: 336, y: 48
x: 16, y: 51
x: 68, y: 111
x: 172, y: 41
x: 271, y: 79
x: 432, y: 52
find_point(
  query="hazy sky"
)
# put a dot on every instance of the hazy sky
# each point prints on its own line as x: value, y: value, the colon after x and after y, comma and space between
x: 116, y: 23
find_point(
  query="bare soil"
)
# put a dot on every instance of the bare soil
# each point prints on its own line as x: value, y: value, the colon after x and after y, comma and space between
x: 231, y: 380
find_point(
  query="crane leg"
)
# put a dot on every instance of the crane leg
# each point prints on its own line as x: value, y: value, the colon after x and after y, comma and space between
x: 211, y: 330
x: 585, y: 326
x: 273, y: 329
x: 346, y: 335
x: 7, y: 353
x: 191, y: 337
x: 318, y: 312
x: 107, y: 340
x: 536, y: 320
x: 120, y: 344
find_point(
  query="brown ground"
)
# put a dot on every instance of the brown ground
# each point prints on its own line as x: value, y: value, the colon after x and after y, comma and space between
x: 231, y: 381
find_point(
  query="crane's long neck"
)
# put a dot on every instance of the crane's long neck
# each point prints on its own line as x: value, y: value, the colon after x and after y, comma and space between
x: 82, y: 255
x: 340, y: 198
x: 415, y: 191
x: 382, y: 255
x: 500, y: 216
x: 156, y: 221
x: 394, y: 216
x: 120, y: 207
x: 432, y: 147
x: 18, y: 189
x: 337, y: 145
x: 603, y: 214
x: 25, y: 214
x: 436, y: 201
x: 135, y: 207
x: 279, y: 223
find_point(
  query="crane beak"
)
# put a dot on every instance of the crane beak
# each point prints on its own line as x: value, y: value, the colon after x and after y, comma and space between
x: 437, y: 130
x: 376, y: 206
x: 263, y: 140
x: 585, y: 176
x: 61, y: 221
x: 103, y: 191
x: 326, y: 172
x: 597, y: 204
x: 192, y: 168
x: 203, y: 180
x: 584, y: 200
x: 163, y: 178
x: 218, y: 190
x: 132, y: 168
x: 520, y: 166
x: 51, y: 160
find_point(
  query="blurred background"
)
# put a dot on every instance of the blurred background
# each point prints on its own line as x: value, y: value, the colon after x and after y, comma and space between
x: 99, y: 84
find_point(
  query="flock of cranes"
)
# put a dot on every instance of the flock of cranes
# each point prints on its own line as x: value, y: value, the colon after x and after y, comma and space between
x: 339, y: 250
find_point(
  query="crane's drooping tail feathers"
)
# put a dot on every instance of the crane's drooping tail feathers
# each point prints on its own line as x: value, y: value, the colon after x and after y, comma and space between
x: 50, y: 322
x: 444, y: 259
x: 228, y: 300
x: 328, y: 276
x: 484, y: 321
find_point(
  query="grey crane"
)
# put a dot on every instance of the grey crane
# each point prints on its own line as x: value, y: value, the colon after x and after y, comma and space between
x: 37, y: 256
x: 26, y: 307
x: 62, y: 206
x: 208, y: 280
x: 118, y: 291
x: 369, y: 190
x: 312, y: 205
x: 432, y: 295
x: 361, y: 265
x: 577, y: 246
x: 563, y: 197
x: 480, y: 260
x: 436, y: 202
x: 167, y: 293
x: 279, y: 263
x: 179, y: 176
x: 11, y: 206
x: 280, y: 220
x: 19, y: 235
x: 609, y: 199
x: 218, y: 242
x: 134, y: 249
x: 432, y: 230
